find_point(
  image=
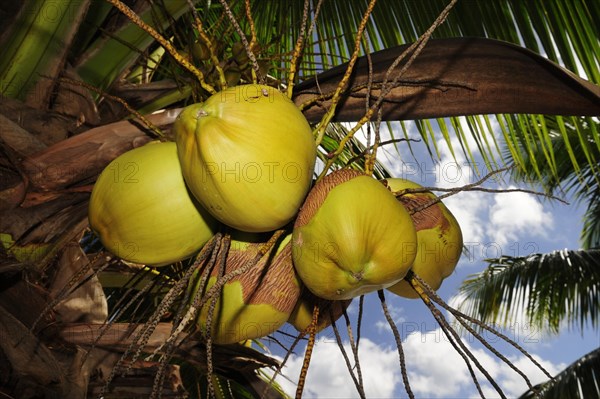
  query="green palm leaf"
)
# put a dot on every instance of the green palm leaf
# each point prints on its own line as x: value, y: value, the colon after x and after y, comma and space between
x: 575, y: 145
x: 544, y: 27
x: 35, y: 48
x: 552, y: 288
x: 580, y: 380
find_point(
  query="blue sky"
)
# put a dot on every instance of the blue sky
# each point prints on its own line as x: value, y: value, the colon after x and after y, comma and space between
x: 492, y: 223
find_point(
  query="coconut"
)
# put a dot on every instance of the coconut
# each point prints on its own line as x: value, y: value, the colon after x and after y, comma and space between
x: 248, y: 155
x: 302, y: 315
x: 352, y: 237
x: 439, y: 237
x: 256, y: 303
x: 142, y: 211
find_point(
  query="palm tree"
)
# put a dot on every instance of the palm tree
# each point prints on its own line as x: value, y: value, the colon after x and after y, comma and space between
x: 554, y: 288
x: 74, y: 72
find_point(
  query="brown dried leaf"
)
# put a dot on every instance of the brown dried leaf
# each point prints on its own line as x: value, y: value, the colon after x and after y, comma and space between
x: 87, y: 303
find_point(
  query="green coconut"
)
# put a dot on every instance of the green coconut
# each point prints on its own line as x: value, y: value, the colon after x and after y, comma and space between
x: 302, y: 315
x: 256, y: 303
x: 247, y: 154
x: 142, y: 211
x: 439, y: 237
x: 352, y: 237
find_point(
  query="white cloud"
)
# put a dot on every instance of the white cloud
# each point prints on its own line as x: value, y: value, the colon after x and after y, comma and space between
x: 382, y: 326
x: 467, y: 208
x: 328, y: 376
x: 515, y: 215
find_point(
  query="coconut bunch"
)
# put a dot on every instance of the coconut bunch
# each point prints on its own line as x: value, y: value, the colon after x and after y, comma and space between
x: 243, y: 162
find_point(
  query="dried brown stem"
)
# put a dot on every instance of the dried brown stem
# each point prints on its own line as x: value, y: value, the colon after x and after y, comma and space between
x: 468, y: 187
x: 240, y: 32
x: 107, y: 326
x: 456, y: 343
x: 297, y: 50
x: 361, y: 303
x: 357, y: 382
x: 371, y: 151
x: 354, y: 347
x: 133, y: 17
x: 157, y: 132
x: 398, y: 339
x: 346, y: 78
x: 288, y: 353
x: 416, y: 48
x: 209, y: 318
x: 381, y: 144
x: 461, y: 316
x: 143, y: 335
x: 312, y: 331
x: 209, y: 44
x: 453, y: 337
x: 253, y: 40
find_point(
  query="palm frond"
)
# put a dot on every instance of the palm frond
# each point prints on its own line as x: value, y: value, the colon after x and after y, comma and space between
x: 110, y: 55
x: 581, y: 380
x: 552, y: 289
x: 572, y: 167
x: 590, y: 233
x: 35, y: 48
x: 563, y: 31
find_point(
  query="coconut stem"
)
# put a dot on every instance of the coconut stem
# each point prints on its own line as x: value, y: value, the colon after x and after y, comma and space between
x: 320, y: 131
x: 209, y: 319
x: 357, y: 380
x: 312, y: 331
x: 209, y: 44
x: 390, y: 321
x: 143, y: 335
x: 461, y: 317
x: 288, y: 353
x: 133, y: 17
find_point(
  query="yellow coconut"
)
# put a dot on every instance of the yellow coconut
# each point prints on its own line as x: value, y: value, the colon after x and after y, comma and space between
x: 439, y: 237
x: 302, y: 314
x: 352, y: 237
x: 256, y: 303
x: 142, y: 211
x: 247, y: 154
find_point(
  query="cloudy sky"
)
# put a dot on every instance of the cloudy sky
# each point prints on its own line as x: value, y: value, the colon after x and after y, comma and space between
x: 515, y: 224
